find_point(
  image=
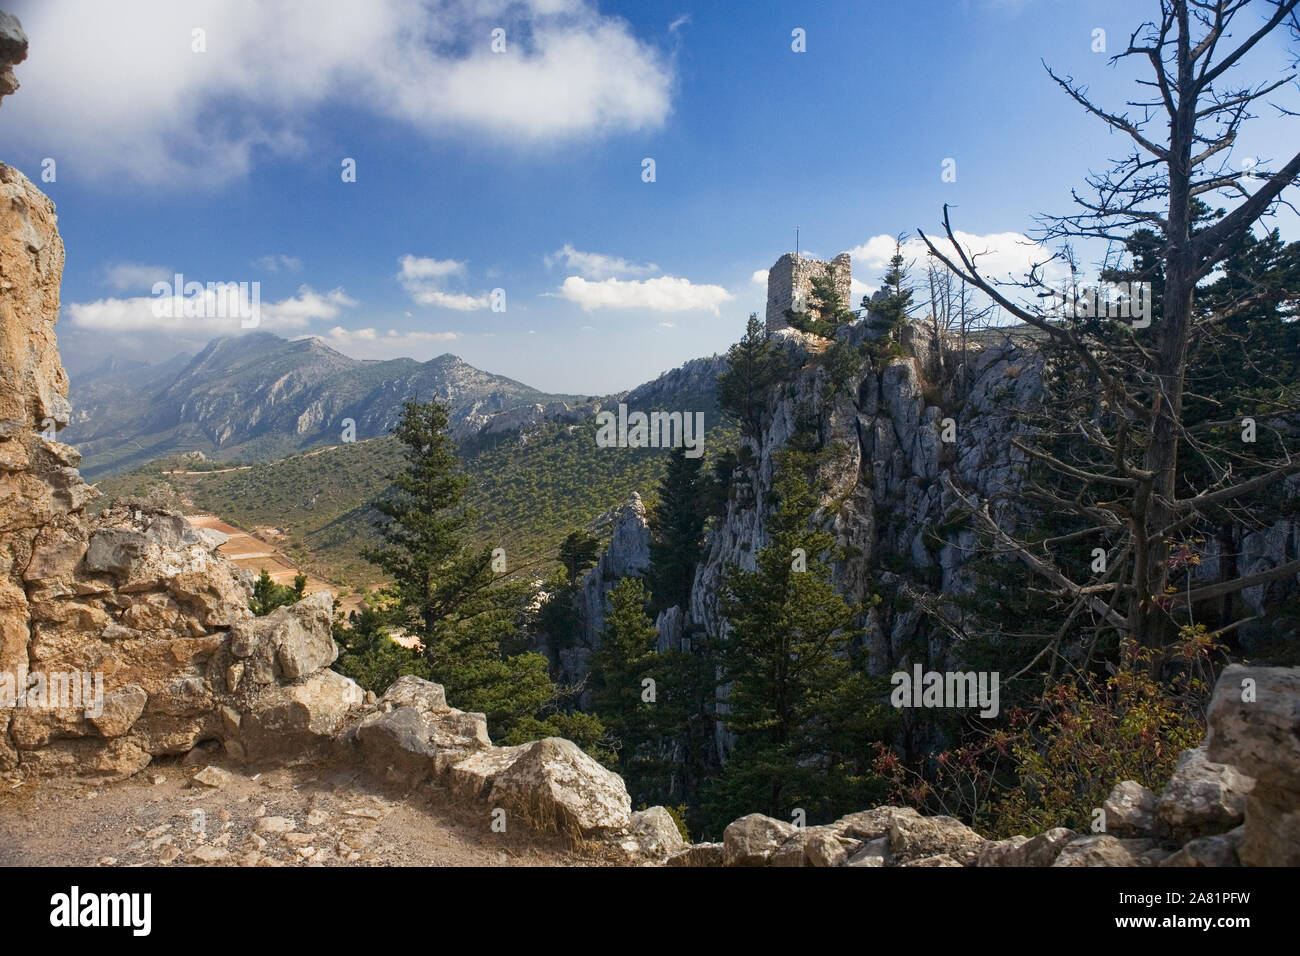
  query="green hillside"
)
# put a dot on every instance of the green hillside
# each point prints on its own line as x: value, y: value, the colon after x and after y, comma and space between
x: 529, y: 488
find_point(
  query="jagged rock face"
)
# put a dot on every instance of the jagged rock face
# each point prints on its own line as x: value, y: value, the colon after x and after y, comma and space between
x: 13, y: 50
x: 143, y: 629
x: 1254, y: 725
x: 628, y: 555
x: 881, y: 488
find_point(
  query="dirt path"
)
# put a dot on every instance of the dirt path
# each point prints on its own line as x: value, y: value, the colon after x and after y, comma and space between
x: 308, y: 815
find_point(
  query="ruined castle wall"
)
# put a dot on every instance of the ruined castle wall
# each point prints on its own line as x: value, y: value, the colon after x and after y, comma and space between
x: 789, y: 284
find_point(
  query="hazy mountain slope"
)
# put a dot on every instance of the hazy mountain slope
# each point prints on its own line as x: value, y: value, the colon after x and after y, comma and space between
x: 259, y: 397
x: 530, y: 486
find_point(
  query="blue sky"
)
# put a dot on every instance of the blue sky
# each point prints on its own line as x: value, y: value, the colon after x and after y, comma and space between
x: 523, y: 170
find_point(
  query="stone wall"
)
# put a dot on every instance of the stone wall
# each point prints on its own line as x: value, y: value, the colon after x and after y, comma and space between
x: 790, y: 280
x: 141, y: 626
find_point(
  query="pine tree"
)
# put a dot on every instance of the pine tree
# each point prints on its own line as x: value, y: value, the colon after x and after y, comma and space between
x: 267, y: 595
x: 801, y: 708
x: 753, y: 367
x: 892, y: 310
x: 444, y: 591
x: 623, y: 661
x: 677, y: 531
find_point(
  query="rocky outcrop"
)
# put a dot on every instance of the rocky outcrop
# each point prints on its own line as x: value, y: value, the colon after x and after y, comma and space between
x: 13, y: 50
x: 1254, y: 726
x: 123, y: 636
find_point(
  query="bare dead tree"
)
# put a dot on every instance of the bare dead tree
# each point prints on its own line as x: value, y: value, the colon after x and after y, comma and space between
x: 1122, y: 480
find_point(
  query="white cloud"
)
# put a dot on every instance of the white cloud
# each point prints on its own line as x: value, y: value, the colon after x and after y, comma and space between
x: 277, y: 262
x: 857, y: 290
x: 760, y: 277
x: 1001, y: 255
x: 663, y: 294
x: 306, y: 306
x: 124, y: 276
x: 371, y: 344
x: 141, y: 313
x: 121, y: 93
x: 424, y: 280
x: 593, y: 265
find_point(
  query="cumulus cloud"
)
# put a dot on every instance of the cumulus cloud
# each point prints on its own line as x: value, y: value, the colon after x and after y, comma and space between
x: 1001, y: 255
x: 425, y: 279
x: 593, y: 265
x: 760, y: 277
x: 662, y: 294
x: 143, y: 313
x: 297, y: 311
x: 129, y: 97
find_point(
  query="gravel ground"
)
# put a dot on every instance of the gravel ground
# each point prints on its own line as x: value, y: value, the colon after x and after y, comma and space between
x: 304, y: 815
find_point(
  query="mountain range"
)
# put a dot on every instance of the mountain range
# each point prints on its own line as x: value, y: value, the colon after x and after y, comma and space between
x: 266, y: 414
x: 257, y: 397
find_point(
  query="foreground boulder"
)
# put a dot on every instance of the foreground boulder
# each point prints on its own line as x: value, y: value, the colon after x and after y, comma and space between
x: 1130, y: 810
x: 1203, y: 797
x: 551, y: 784
x: 751, y: 840
x: 921, y: 837
x: 413, y: 735
x: 1254, y: 725
x: 653, y: 835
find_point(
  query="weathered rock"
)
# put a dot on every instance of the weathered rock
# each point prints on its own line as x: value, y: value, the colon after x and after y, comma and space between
x: 274, y: 825
x: 824, y: 849
x: 397, y: 744
x: 699, y: 854
x: 553, y: 784
x: 13, y: 50
x: 789, y: 853
x: 1102, y: 850
x: 939, y: 859
x: 471, y: 778
x: 1043, y: 849
x: 115, y: 551
x: 872, y: 824
x: 1202, y: 796
x: 916, y: 838
x: 1260, y: 736
x: 208, y: 854
x: 1130, y: 810
x: 288, y: 719
x: 122, y: 708
x: 1254, y: 725
x: 1002, y: 852
x: 425, y: 697
x: 1217, y: 850
x: 212, y: 777
x: 655, y: 833
x: 871, y: 853
x: 752, y: 839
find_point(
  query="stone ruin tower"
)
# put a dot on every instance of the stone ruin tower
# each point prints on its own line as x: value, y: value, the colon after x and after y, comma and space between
x: 791, y: 280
